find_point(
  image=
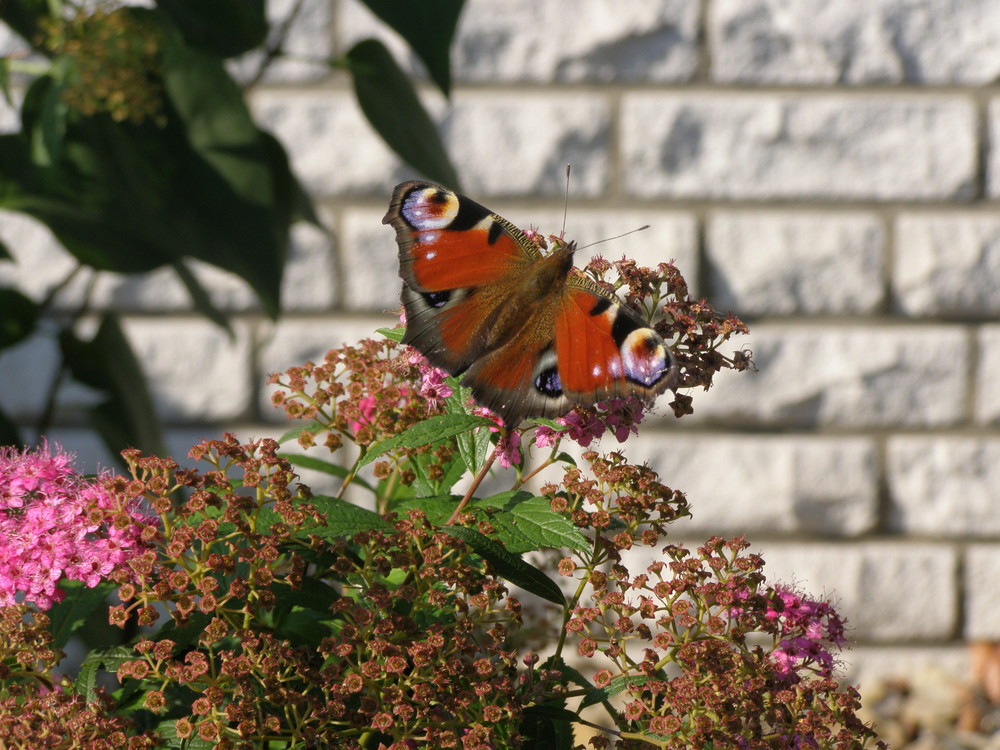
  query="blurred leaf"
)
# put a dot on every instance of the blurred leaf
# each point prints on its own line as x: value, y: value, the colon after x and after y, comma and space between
x: 201, y: 298
x: 222, y: 27
x: 428, y: 27
x: 5, y: 253
x: 23, y: 17
x: 388, y: 99
x: 71, y: 613
x: 9, y: 433
x: 18, y: 317
x: 509, y: 566
x: 5, y: 81
x: 318, y: 464
x: 437, y: 509
x: 429, y: 432
x: 126, y: 418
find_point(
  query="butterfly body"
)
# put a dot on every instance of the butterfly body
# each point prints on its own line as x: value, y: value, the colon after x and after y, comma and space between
x: 530, y: 335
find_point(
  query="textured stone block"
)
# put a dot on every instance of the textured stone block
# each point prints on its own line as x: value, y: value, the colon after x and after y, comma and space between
x: 877, y: 41
x: 195, y: 371
x: 943, y: 485
x: 947, y: 264
x: 982, y: 606
x: 844, y: 376
x: 795, y: 263
x: 987, y: 384
x: 808, y: 146
x: 332, y: 148
x: 520, y: 143
x: 525, y: 40
x: 761, y: 484
x: 889, y: 591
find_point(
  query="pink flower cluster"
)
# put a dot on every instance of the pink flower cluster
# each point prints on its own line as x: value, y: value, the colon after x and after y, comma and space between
x: 810, y: 628
x: 55, y: 524
x: 618, y: 415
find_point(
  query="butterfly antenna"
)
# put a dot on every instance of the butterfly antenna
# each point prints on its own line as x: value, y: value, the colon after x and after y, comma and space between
x: 616, y: 237
x: 566, y: 201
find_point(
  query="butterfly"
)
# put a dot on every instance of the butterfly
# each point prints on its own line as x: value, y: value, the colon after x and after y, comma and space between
x: 531, y: 335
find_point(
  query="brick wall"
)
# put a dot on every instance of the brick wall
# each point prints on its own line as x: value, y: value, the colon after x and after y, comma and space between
x: 827, y: 170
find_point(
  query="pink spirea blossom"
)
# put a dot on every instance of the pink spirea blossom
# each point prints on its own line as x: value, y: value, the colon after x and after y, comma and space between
x: 620, y: 416
x: 508, y: 448
x: 56, y: 524
x: 433, y: 389
x: 812, y: 630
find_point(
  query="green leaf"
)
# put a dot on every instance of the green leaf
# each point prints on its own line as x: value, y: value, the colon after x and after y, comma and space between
x: 344, y: 519
x: 294, y: 433
x: 509, y: 566
x: 473, y: 447
x: 9, y: 433
x: 5, y: 253
x: 617, y: 685
x: 395, y: 334
x: 388, y: 100
x: 527, y: 523
x: 429, y: 432
x: 428, y: 27
x: 167, y: 730
x: 548, y: 726
x: 71, y: 613
x: 107, y: 659
x: 221, y: 27
x: 126, y: 418
x: 318, y: 464
x: 18, y: 319
x: 437, y: 509
x: 201, y: 298
x: 23, y: 16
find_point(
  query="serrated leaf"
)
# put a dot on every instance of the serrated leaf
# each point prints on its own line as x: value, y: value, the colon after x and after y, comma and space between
x: 437, y: 509
x: 531, y: 519
x: 108, y: 659
x: 617, y: 685
x: 548, y: 727
x: 428, y: 27
x: 71, y: 613
x: 508, y: 565
x: 18, y: 317
x: 387, y: 98
x: 431, y: 431
x: 473, y: 447
x: 344, y: 519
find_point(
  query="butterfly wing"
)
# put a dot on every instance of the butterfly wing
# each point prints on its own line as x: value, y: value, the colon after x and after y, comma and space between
x: 460, y: 264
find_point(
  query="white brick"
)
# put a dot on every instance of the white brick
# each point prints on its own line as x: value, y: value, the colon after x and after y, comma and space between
x: 877, y: 41
x: 888, y: 591
x: 766, y: 484
x: 947, y: 264
x: 982, y: 607
x: 520, y: 143
x: 371, y: 263
x: 758, y: 146
x: 519, y: 40
x: 293, y: 342
x: 306, y: 46
x: 987, y: 383
x: 332, y: 148
x: 40, y: 261
x: 788, y: 263
x: 844, y: 376
x: 194, y: 370
x: 993, y: 165
x: 866, y: 665
x: 944, y: 485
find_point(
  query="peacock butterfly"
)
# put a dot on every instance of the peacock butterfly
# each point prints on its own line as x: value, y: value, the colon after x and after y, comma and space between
x: 531, y: 334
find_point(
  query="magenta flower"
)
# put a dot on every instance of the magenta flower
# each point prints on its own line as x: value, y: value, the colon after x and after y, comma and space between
x: 811, y: 629
x: 56, y: 524
x: 432, y: 387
